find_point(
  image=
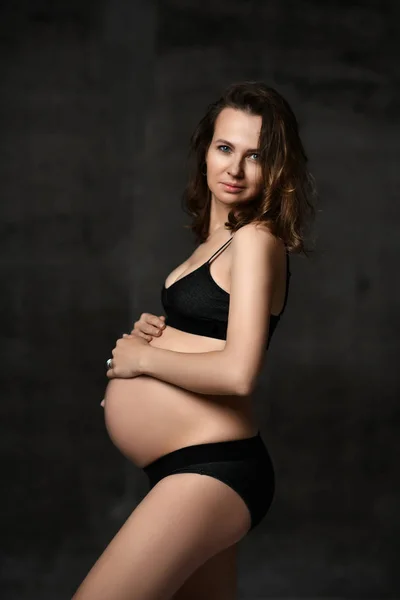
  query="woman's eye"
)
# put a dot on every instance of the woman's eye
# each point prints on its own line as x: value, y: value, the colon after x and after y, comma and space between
x: 224, y: 148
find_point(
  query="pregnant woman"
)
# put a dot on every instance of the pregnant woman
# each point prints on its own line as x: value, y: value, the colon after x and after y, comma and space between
x: 179, y: 401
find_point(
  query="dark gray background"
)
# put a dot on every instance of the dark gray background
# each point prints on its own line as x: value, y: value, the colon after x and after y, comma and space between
x: 98, y: 100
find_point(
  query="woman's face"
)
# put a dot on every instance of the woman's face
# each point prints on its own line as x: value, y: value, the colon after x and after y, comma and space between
x: 233, y: 157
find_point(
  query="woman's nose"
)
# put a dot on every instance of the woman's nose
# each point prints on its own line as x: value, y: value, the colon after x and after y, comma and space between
x: 235, y: 169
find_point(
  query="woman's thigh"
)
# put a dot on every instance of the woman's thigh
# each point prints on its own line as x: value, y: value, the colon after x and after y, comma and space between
x: 184, y: 521
x: 216, y: 579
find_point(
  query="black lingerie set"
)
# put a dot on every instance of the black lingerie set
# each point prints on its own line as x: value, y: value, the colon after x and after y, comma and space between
x: 196, y: 304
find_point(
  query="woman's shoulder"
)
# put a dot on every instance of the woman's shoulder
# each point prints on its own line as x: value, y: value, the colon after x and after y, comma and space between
x: 250, y: 229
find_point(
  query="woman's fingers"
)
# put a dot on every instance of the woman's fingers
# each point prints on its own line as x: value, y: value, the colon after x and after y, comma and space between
x: 149, y: 325
x: 159, y: 324
x: 153, y: 325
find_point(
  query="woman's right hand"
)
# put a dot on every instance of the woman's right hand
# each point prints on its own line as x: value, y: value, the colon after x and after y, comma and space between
x: 148, y: 326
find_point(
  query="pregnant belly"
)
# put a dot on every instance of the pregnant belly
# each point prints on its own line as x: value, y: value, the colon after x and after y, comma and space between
x: 146, y: 418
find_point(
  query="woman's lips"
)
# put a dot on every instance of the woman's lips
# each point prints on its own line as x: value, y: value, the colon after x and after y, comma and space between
x: 232, y: 188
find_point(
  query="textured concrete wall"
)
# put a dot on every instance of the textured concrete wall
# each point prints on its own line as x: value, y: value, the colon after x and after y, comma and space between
x: 74, y: 93
x: 98, y: 100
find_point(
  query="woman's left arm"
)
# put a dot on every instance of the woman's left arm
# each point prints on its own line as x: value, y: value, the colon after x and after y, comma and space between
x: 205, y: 372
x: 235, y: 369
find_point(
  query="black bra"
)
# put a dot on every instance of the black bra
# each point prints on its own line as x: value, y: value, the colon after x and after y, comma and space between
x: 195, y: 303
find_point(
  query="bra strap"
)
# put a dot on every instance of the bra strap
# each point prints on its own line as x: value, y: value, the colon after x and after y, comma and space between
x: 223, y: 246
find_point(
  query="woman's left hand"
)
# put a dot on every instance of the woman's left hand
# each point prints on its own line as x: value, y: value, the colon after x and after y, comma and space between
x: 127, y: 357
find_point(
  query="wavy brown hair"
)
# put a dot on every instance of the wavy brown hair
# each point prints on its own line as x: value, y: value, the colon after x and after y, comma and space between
x: 286, y: 203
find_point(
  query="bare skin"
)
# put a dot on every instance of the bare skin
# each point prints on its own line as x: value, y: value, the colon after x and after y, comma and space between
x: 180, y: 541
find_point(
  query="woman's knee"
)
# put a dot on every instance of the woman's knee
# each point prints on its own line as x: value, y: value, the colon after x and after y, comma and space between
x: 216, y: 579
